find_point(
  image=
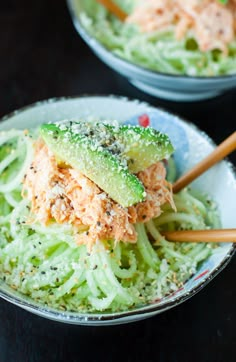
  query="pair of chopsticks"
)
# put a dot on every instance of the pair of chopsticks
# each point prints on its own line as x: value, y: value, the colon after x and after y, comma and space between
x: 222, y: 235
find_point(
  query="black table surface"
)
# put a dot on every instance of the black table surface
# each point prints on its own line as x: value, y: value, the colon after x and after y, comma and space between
x: 41, y: 57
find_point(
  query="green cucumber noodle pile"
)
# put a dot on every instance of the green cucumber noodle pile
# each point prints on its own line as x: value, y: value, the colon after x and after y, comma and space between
x: 46, y: 264
x: 159, y: 50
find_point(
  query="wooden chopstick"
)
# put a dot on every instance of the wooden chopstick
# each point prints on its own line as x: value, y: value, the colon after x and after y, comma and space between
x: 114, y: 9
x: 211, y: 236
x: 223, y: 150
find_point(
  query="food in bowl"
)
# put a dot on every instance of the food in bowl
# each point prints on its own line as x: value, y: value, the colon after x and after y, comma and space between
x: 82, y: 214
x: 195, y: 38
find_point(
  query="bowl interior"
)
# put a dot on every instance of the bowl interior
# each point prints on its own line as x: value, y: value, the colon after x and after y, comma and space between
x: 191, y: 145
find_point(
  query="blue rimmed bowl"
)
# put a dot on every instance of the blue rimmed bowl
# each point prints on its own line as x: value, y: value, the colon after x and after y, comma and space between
x: 191, y: 146
x: 167, y: 86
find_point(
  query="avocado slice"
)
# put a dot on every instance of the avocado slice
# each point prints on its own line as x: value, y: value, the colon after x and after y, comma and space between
x: 86, y: 148
x: 142, y: 147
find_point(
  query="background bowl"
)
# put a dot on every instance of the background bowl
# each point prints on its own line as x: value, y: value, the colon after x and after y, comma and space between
x: 191, y: 146
x: 167, y: 86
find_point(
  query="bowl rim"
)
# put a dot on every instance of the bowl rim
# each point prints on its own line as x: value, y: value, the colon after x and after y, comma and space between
x: 88, y: 38
x: 120, y: 317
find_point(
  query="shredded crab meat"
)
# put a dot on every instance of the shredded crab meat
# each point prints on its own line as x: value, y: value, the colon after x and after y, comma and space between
x: 211, y: 23
x: 68, y: 196
x: 158, y: 191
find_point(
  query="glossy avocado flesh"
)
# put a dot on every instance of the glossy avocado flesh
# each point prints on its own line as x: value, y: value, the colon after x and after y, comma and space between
x: 142, y: 147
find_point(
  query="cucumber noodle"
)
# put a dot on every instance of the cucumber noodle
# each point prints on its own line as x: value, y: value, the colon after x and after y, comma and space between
x: 158, y: 50
x: 45, y: 263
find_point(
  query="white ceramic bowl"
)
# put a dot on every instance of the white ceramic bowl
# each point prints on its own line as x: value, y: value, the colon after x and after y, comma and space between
x: 191, y: 146
x: 172, y: 87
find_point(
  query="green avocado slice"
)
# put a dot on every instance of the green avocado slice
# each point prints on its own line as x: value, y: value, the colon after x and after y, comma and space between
x: 142, y: 147
x: 78, y: 145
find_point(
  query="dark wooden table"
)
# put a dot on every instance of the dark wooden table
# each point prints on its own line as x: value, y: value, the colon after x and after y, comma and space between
x: 41, y: 56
